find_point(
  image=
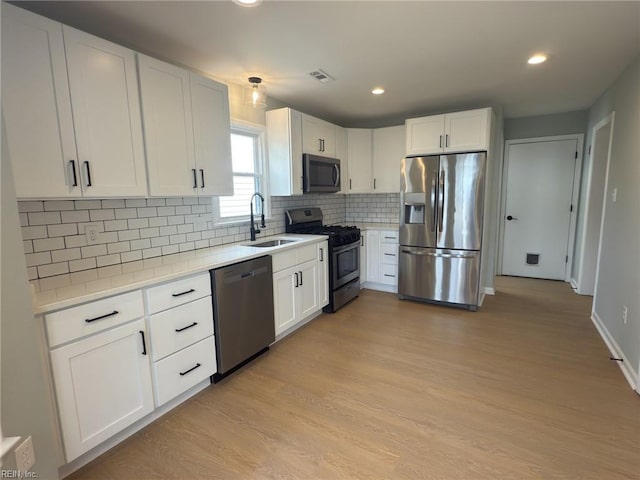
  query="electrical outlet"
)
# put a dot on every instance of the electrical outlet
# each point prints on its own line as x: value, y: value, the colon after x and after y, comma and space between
x: 92, y: 234
x: 625, y: 312
x: 25, y: 456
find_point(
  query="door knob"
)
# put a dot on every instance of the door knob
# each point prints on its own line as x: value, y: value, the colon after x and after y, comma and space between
x: 509, y: 217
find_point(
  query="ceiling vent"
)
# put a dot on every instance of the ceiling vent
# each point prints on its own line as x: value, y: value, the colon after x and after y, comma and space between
x: 321, y: 76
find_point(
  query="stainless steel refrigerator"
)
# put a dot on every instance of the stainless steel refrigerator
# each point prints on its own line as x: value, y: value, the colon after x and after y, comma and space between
x: 441, y: 208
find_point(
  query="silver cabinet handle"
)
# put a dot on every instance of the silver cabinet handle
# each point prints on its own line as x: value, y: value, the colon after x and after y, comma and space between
x: 88, y: 171
x: 73, y: 172
x: 195, y: 178
x: 201, y: 178
x: 322, y: 254
x: 446, y: 141
x: 297, y: 281
x: 440, y: 141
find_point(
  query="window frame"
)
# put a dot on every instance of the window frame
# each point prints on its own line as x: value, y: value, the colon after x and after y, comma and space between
x: 258, y: 132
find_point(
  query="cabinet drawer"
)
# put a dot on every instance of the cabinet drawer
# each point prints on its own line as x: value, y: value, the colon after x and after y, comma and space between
x: 178, y: 292
x: 179, y: 327
x: 389, y: 274
x: 389, y: 253
x: 181, y: 371
x: 287, y: 259
x: 389, y: 236
x: 77, y: 322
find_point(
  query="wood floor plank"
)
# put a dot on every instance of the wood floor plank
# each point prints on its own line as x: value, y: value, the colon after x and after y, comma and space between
x: 521, y: 389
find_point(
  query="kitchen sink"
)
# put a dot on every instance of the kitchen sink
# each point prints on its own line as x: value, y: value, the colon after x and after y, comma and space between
x: 272, y: 243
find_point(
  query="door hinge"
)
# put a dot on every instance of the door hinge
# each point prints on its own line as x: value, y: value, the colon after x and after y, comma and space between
x: 571, y: 208
x: 566, y: 259
x: 589, y: 149
x: 576, y: 157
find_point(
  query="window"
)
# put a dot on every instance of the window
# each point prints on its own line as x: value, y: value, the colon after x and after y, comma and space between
x: 248, y: 175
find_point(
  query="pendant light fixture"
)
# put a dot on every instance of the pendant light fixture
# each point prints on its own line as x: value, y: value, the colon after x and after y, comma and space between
x: 254, y: 94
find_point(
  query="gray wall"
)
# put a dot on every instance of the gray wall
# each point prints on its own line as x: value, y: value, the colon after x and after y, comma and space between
x: 618, y: 281
x: 25, y: 409
x: 546, y: 125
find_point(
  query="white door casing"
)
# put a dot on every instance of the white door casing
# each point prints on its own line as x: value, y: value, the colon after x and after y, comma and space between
x: 540, y: 194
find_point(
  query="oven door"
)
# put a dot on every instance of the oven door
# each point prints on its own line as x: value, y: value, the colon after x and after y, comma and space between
x: 346, y: 264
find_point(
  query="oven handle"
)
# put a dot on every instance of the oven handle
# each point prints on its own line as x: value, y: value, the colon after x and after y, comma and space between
x: 344, y: 248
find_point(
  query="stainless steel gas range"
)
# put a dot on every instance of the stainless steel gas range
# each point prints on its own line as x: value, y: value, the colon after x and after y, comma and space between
x: 344, y: 252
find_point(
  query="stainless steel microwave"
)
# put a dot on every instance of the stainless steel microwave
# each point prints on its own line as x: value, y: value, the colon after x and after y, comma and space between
x: 320, y: 174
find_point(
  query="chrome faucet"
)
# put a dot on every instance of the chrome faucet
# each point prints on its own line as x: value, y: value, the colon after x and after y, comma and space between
x: 254, y: 226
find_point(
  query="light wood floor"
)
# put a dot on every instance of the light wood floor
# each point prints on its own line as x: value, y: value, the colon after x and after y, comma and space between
x: 386, y: 389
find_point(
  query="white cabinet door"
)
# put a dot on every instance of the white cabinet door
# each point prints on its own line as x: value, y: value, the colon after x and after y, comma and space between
x: 307, y: 290
x: 318, y: 137
x: 373, y: 255
x: 103, y: 384
x: 359, y: 147
x: 106, y: 115
x: 36, y: 106
x: 388, y: 152
x: 212, y: 133
x: 425, y: 135
x: 466, y: 131
x: 284, y: 299
x: 284, y: 143
x: 342, y: 153
x: 168, y: 129
x: 323, y: 274
x: 363, y: 257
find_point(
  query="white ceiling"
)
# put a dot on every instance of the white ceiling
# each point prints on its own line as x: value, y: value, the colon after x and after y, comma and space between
x: 429, y: 56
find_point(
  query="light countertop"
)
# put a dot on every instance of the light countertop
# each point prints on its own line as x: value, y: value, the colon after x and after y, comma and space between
x: 63, y: 291
x: 378, y: 226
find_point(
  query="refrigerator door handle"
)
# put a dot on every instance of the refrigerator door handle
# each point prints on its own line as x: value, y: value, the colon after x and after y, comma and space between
x: 438, y: 255
x: 434, y: 209
x: 441, y: 206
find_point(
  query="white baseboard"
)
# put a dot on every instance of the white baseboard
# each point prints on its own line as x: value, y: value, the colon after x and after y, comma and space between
x: 629, y: 373
x: 489, y: 291
x: 68, y: 468
x: 574, y: 283
x: 381, y: 287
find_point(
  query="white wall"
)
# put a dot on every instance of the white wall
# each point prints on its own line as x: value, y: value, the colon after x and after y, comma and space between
x: 618, y: 281
x: 25, y: 409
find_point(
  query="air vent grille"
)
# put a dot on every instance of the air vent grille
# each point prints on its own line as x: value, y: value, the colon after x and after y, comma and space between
x: 321, y: 76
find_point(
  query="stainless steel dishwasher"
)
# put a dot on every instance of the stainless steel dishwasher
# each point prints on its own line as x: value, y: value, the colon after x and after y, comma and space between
x: 243, y: 313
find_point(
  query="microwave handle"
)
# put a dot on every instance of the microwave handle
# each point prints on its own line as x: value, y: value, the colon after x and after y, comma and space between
x: 336, y: 182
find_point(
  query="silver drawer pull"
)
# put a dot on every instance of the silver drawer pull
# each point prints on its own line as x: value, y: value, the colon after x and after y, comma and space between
x: 389, y: 275
x: 101, y: 317
x: 391, y: 238
x: 185, y: 328
x: 182, y: 293
x: 390, y: 254
x: 182, y: 374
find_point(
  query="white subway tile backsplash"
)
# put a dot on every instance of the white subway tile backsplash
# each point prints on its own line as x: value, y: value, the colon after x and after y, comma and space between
x: 44, y: 218
x: 93, y: 251
x: 58, y: 205
x: 30, y: 207
x: 29, y: 233
x: 62, y: 230
x: 133, y: 229
x: 65, y: 255
x: 84, y: 264
x: 27, y: 246
x: 48, y: 244
x: 75, y: 216
x: 32, y: 273
x: 53, y: 269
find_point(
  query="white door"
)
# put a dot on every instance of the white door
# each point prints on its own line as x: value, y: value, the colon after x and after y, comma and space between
x: 212, y: 133
x: 103, y: 384
x: 36, y: 106
x: 168, y: 129
x: 388, y: 152
x: 539, y: 177
x: 106, y: 115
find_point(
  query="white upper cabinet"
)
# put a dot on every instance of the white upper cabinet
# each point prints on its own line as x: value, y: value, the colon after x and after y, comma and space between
x: 318, y: 136
x: 212, y: 136
x: 106, y: 115
x: 360, y: 153
x: 284, y: 144
x: 186, y: 131
x: 36, y: 106
x: 452, y: 132
x: 388, y: 152
x: 342, y: 154
x: 168, y: 127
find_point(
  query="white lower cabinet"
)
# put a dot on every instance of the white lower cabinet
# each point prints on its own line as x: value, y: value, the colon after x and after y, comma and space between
x: 103, y: 385
x: 382, y: 259
x: 323, y: 274
x: 296, y: 290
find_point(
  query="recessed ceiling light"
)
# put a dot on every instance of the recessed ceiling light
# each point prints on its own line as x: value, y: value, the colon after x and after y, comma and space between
x: 247, y: 3
x: 537, y: 58
x: 378, y: 91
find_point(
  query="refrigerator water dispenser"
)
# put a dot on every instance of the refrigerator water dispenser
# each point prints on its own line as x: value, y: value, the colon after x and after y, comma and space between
x: 414, y: 213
